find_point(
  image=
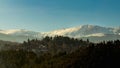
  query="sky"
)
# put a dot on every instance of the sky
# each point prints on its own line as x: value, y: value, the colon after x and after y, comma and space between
x: 48, y: 15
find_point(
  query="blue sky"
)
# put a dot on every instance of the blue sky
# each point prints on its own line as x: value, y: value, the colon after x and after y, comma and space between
x: 47, y: 15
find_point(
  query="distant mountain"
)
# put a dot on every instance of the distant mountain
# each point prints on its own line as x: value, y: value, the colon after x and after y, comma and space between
x: 92, y: 32
x: 18, y: 35
x: 85, y: 31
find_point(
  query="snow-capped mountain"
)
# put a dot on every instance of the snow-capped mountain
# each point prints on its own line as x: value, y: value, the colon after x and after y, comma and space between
x: 85, y: 31
x: 93, y: 32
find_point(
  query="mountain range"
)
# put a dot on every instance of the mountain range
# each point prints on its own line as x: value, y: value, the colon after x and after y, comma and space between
x: 92, y: 32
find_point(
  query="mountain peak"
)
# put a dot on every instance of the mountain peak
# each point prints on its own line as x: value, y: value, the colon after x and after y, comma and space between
x: 84, y: 31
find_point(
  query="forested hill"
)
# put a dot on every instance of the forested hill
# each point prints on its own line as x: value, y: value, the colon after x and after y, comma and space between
x: 62, y: 52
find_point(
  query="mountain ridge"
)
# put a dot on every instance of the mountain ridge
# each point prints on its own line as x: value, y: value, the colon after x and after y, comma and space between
x: 85, y: 30
x: 82, y: 31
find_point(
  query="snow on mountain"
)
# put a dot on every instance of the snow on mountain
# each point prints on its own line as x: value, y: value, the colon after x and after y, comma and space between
x: 62, y: 32
x: 9, y: 31
x: 20, y: 32
x: 84, y: 31
x: 96, y: 34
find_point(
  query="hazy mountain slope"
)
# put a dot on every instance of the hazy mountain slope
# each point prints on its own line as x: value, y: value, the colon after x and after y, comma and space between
x: 103, y: 38
x: 14, y: 38
x: 93, y: 32
x: 18, y: 35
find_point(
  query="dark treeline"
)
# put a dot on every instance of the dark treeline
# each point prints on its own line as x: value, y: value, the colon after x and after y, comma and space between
x: 62, y: 52
x: 54, y: 44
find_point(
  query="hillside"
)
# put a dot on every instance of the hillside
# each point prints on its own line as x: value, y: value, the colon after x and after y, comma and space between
x: 58, y: 53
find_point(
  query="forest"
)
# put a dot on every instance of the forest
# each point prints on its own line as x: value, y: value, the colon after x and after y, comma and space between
x: 60, y: 52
